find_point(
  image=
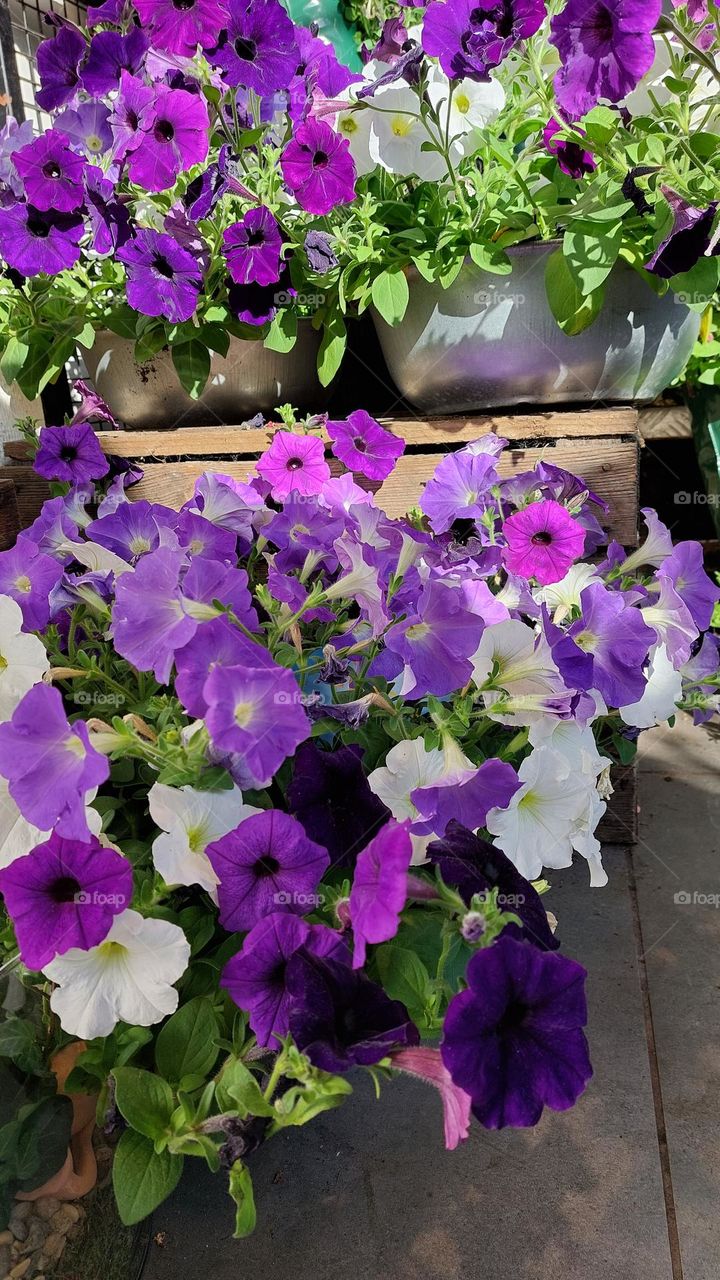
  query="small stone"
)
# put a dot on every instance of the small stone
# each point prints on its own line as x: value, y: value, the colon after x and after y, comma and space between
x: 65, y: 1218
x: 35, y: 1238
x: 53, y: 1246
x: 6, y: 1237
x: 21, y: 1269
x: 21, y: 1210
x: 4, y: 1260
x: 46, y: 1207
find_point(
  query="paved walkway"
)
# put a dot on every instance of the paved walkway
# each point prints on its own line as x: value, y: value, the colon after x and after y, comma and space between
x: 625, y: 1187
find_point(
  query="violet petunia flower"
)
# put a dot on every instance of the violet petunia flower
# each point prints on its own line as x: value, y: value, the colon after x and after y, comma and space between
x: 514, y: 1039
x: 464, y: 796
x: 435, y: 644
x: 87, y: 128
x: 163, y: 279
x: 133, y: 114
x: 319, y: 252
x: 458, y: 489
x: 252, y: 248
x: 109, y: 220
x: 72, y: 454
x: 340, y: 1019
x: 52, y: 173
x: 203, y: 538
x: 257, y: 50
x: 149, y: 620
x: 216, y: 644
x: 605, y: 649
x: 64, y: 894
x: 688, y: 239
x: 266, y: 864
x: 572, y: 159
x: 294, y: 464
x: 134, y: 529
x: 50, y: 765
x: 205, y: 581
x: 177, y: 140
x: 379, y: 887
x: 35, y: 242
x: 318, y: 168
x: 469, y: 39
x: 58, y: 62
x: 605, y: 48
x: 179, y: 26
x: 255, y: 977
x: 543, y: 541
x: 364, y: 446
x: 110, y: 55
x: 255, y: 712
x: 685, y: 569
x: 29, y: 577
x: 329, y: 794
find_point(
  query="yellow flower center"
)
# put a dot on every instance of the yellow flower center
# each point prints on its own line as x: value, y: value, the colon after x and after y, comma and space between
x: 23, y: 583
x: 244, y: 714
x: 401, y: 126
x: 462, y: 102
x: 3, y: 664
x: 139, y: 546
x: 112, y: 950
x: 74, y: 744
x: 197, y: 839
x: 348, y: 125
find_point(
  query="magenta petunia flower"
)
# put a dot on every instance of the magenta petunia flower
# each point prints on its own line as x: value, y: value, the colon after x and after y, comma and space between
x: 58, y: 61
x: 256, y: 712
x: 37, y: 243
x: 110, y: 55
x: 571, y: 157
x: 252, y: 248
x: 605, y: 48
x: 51, y: 172
x: 318, y: 168
x: 177, y: 140
x: 364, y: 446
x: 64, y: 894
x: 163, y: 279
x: 133, y: 114
x: 266, y: 864
x: 379, y: 887
x: 29, y: 576
x: 257, y: 50
x: 50, y: 765
x: 294, y: 464
x: 179, y: 26
x: 72, y: 454
x: 543, y: 540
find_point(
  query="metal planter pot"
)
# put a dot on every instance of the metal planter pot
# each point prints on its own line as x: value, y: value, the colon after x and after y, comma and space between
x: 491, y: 341
x: 250, y: 379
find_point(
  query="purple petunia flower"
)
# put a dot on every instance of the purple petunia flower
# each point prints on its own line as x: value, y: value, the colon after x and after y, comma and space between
x: 319, y: 252
x: 72, y: 454
x: 257, y: 50
x: 687, y: 240
x: 379, y: 888
x: 50, y: 765
x: 364, y: 446
x: 252, y: 248
x: 58, y: 62
x: 459, y: 488
x: 29, y: 576
x: 465, y: 796
x: 329, y: 794
x: 36, y: 243
x: 64, y: 894
x: 256, y: 712
x: 109, y: 220
x: 605, y: 49
x: 163, y: 279
x: 685, y: 570
x: 179, y: 26
x: 340, y: 1019
x: 255, y: 977
x: 435, y: 644
x: 469, y: 39
x: 177, y: 140
x: 207, y: 580
x: 514, y: 1040
x: 216, y: 644
x: 134, y: 529
x: 605, y: 649
x: 149, y: 620
x: 110, y: 55
x: 294, y: 464
x: 571, y: 157
x: 133, y: 114
x: 318, y: 168
x: 543, y: 541
x: 266, y: 864
x: 51, y: 172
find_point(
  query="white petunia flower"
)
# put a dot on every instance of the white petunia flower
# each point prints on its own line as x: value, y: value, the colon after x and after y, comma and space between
x: 398, y: 134
x: 475, y: 104
x: 536, y: 829
x: 18, y: 837
x: 660, y: 695
x: 191, y: 820
x: 127, y: 978
x: 518, y: 661
x: 355, y: 124
x: 408, y: 766
x: 23, y: 659
x: 560, y: 597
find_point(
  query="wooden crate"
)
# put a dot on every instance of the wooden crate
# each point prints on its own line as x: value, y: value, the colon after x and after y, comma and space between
x: 9, y: 517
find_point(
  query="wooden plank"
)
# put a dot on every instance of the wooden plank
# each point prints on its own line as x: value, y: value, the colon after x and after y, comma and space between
x: 9, y: 515
x: 665, y: 422
x: 620, y: 823
x: 30, y: 491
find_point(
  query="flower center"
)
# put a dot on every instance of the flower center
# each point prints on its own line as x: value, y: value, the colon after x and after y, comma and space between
x: 38, y: 227
x: 23, y: 583
x: 131, y: 119
x: 602, y: 24
x: 267, y: 866
x: 246, y: 49
x: 164, y: 131
x: 513, y: 1017
x: 52, y: 169
x: 348, y: 125
x: 75, y: 745
x: 401, y: 126
x: 93, y: 142
x: 139, y: 546
x: 64, y: 889
x: 584, y: 640
x: 417, y: 631
x: 197, y: 839
x: 243, y: 714
x: 320, y: 159
x: 3, y: 664
x: 112, y: 950
x: 542, y: 538
x: 294, y: 464
x: 183, y: 5
x: 360, y: 444
x: 256, y: 237
x: 162, y: 266
x: 68, y: 453
x: 462, y: 102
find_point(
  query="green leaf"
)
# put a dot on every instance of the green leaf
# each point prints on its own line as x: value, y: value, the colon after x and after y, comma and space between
x: 14, y: 357
x: 404, y: 977
x: 19, y: 1041
x: 238, y: 1088
x: 390, y: 294
x: 571, y: 309
x: 332, y: 348
x: 42, y: 1141
x: 144, y: 1100
x: 591, y: 253
x: 241, y: 1190
x: 192, y: 365
x: 601, y: 125
x: 490, y: 259
x: 142, y: 1177
x: 186, y: 1044
x: 215, y: 337
x: 282, y: 333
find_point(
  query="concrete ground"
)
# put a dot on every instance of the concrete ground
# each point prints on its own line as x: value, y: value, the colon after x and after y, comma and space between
x: 624, y: 1187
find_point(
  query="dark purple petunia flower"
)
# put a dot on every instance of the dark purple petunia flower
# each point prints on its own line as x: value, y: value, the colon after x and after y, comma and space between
x: 216, y: 644
x: 133, y: 114
x: 255, y: 977
x: 687, y: 240
x: 163, y: 279
x: 177, y: 140
x: 109, y: 11
x: 51, y: 172
x: 571, y: 157
x: 257, y: 50
x: 330, y: 796
x: 64, y: 894
x: 514, y: 1040
x: 72, y: 454
x: 110, y: 54
x: 109, y: 220
x: 257, y: 304
x: 252, y: 248
x: 58, y: 61
x: 319, y: 252
x: 179, y: 26
x: 35, y: 242
x: 266, y: 864
x: 469, y: 39
x: 29, y: 576
x: 318, y: 168
x: 340, y: 1019
x: 605, y: 649
x: 605, y: 49
x: 364, y: 446
x: 474, y: 866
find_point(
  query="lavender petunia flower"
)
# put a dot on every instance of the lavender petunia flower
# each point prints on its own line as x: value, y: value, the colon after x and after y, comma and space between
x: 203, y: 538
x: 573, y: 159
x: 52, y: 173
x: 685, y: 569
x: 605, y: 649
x: 72, y: 454
x: 469, y: 39
x: 266, y: 864
x: 163, y: 279
x: 133, y: 114
x: 252, y: 248
x: 58, y: 62
x: 257, y: 49
x: 458, y: 489
x: 329, y: 794
x: 294, y: 464
x: 436, y: 643
x: 134, y: 529
x: 379, y: 888
x: 205, y: 581
x: 149, y: 620
x: 29, y: 576
x: 318, y: 168
x: 177, y: 140
x: 64, y: 894
x: 257, y: 713
x: 465, y: 796
x: 605, y: 49
x: 36, y: 243
x: 87, y: 128
x: 543, y: 541
x: 216, y: 644
x: 110, y: 55
x: 179, y: 26
x: 514, y: 1039
x: 50, y: 765
x: 340, y: 1019
x: 364, y: 446
x: 688, y: 239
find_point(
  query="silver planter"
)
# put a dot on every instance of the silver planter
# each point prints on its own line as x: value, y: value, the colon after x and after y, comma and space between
x: 250, y: 379
x: 491, y: 341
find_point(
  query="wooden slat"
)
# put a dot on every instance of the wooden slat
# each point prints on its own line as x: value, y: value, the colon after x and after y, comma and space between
x: 9, y: 515
x: 620, y: 823
x: 665, y: 422
x: 30, y: 491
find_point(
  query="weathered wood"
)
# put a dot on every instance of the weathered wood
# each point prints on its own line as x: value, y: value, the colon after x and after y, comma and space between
x: 30, y: 491
x: 665, y: 422
x: 9, y: 515
x: 620, y: 823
